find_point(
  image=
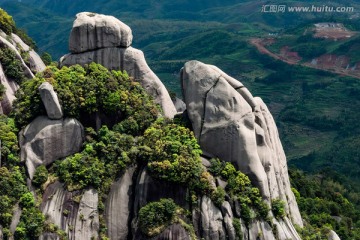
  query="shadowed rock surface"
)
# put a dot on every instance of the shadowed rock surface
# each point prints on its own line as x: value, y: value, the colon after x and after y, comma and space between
x: 51, y: 101
x: 231, y: 124
x: 93, y: 31
x: 33, y: 65
x: 111, y: 52
x: 80, y: 220
x: 44, y: 141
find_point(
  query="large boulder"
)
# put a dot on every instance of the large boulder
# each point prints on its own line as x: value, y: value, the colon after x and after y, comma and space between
x: 80, y: 220
x: 44, y: 141
x: 231, y: 124
x: 92, y: 31
x: 118, y: 206
x: 104, y: 48
x: 51, y: 101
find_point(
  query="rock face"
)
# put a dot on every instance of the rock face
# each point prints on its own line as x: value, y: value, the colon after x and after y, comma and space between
x: 119, y: 206
x: 31, y: 65
x: 231, y: 124
x: 44, y: 141
x: 51, y: 101
x: 93, y: 31
x: 106, y: 40
x: 333, y: 236
x: 80, y: 220
x: 9, y: 95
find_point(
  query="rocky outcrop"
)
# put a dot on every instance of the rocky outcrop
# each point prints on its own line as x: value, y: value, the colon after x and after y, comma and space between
x: 75, y: 213
x: 44, y: 141
x: 119, y: 206
x: 231, y: 124
x: 333, y: 236
x: 9, y: 96
x: 112, y: 49
x: 34, y: 61
x: 32, y: 64
x: 93, y: 31
x: 211, y: 220
x: 51, y: 101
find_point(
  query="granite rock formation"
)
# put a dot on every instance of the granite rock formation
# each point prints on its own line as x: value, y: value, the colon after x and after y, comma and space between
x: 232, y: 125
x: 30, y: 66
x: 106, y: 40
x: 51, y: 101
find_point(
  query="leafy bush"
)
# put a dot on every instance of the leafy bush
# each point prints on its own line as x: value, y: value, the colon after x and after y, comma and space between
x: 81, y: 170
x: 12, y: 66
x: 240, y: 189
x: 9, y: 142
x: 278, y: 208
x: 7, y: 23
x: 40, y: 176
x: 90, y: 94
x: 156, y: 216
x: 175, y: 153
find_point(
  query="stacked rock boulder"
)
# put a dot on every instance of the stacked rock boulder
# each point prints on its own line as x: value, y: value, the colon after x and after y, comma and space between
x: 107, y: 41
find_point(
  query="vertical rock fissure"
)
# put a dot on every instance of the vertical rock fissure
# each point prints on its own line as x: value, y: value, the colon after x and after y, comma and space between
x: 204, y: 109
x: 132, y: 202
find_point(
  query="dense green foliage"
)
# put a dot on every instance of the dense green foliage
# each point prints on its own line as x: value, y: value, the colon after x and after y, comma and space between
x: 46, y: 57
x: 324, y: 204
x: 12, y: 66
x: 41, y: 175
x: 9, y: 142
x: 175, y: 153
x: 87, y: 94
x: 7, y: 23
x: 240, y: 189
x: 278, y: 208
x: 156, y: 216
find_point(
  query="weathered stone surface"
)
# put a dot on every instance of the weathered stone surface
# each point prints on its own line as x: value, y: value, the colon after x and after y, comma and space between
x: 93, y: 31
x: 133, y: 62
x: 51, y: 101
x: 35, y: 62
x: 119, y: 205
x: 262, y: 231
x: 236, y: 127
x: 179, y: 105
x: 222, y: 120
x: 333, y: 236
x: 49, y: 236
x: 228, y: 220
x: 211, y: 220
x: 15, y: 218
x: 14, y: 43
x: 175, y: 231
x: 44, y: 141
x: 79, y: 220
x: 9, y: 95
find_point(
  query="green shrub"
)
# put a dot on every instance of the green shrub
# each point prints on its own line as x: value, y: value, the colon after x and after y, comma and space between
x: 40, y: 176
x: 9, y: 142
x: 27, y: 200
x: 175, y: 153
x: 12, y: 66
x: 237, y: 226
x: 278, y: 208
x: 7, y: 23
x: 87, y: 93
x: 81, y: 170
x: 156, y: 216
